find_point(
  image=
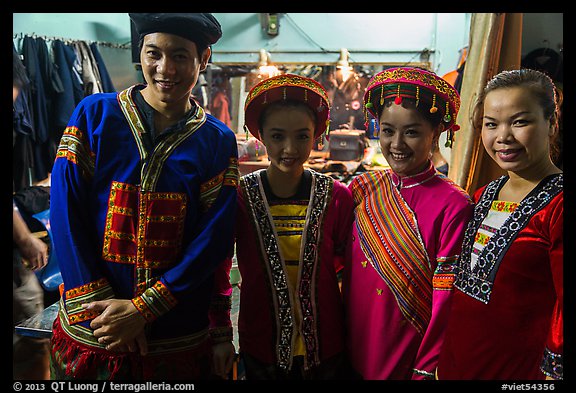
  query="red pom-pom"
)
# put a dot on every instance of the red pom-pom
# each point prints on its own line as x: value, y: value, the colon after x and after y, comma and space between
x: 398, y: 100
x: 455, y: 127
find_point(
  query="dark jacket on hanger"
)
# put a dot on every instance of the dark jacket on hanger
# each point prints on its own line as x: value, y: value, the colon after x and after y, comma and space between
x: 45, y: 85
x: 107, y: 85
x: 64, y: 104
x: 22, y: 143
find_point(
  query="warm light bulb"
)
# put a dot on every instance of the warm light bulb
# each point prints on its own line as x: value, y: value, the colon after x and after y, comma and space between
x: 264, y: 66
x: 343, y: 60
x: 264, y: 58
x: 269, y: 70
x: 343, y: 66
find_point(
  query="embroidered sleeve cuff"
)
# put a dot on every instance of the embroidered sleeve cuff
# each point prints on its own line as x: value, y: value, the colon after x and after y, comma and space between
x: 75, y: 297
x: 221, y: 334
x: 155, y: 301
x: 552, y: 364
x: 444, y: 274
x: 209, y: 190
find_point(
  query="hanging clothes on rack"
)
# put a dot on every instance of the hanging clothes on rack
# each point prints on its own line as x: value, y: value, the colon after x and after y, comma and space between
x: 89, y: 68
x: 45, y: 84
x: 64, y: 104
x: 61, y: 75
x: 107, y: 85
x: 22, y: 136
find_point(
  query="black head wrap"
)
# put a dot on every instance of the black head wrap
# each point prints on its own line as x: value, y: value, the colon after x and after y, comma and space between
x: 201, y: 28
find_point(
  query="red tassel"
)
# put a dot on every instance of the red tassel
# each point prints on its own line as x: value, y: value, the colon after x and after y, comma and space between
x: 398, y: 100
x: 81, y: 360
x: 85, y: 362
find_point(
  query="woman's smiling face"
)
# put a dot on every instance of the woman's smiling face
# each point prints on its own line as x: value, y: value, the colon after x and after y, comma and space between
x: 288, y: 134
x: 515, y: 132
x: 406, y: 139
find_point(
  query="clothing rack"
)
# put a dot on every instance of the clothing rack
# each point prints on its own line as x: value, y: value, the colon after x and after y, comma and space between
x: 20, y: 36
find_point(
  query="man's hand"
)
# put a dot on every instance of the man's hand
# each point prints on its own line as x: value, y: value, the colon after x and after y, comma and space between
x: 119, y: 326
x: 222, y: 358
x: 34, y: 253
x: 33, y: 250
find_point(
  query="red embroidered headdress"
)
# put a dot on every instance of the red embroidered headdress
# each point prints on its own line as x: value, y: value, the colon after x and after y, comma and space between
x: 424, y: 87
x: 282, y: 87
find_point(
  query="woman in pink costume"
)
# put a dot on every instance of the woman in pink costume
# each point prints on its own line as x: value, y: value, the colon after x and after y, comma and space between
x: 409, y: 224
x: 507, y: 314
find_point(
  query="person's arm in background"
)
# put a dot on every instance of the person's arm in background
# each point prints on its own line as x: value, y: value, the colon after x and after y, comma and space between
x: 33, y: 250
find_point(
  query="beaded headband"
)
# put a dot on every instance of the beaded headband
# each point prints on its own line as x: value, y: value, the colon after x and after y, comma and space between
x: 425, y: 87
x: 282, y: 87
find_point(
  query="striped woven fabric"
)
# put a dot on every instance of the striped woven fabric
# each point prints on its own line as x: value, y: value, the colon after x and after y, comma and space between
x: 391, y: 241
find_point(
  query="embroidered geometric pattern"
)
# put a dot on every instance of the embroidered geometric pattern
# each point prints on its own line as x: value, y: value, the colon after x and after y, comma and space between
x: 272, y: 261
x: 120, y: 227
x: 86, y: 336
x: 155, y: 301
x: 275, y: 263
x: 232, y: 174
x: 413, y: 83
x: 445, y: 273
x: 160, y: 229
x: 75, y: 149
x: 153, y: 168
x: 144, y: 281
x: 286, y: 81
x: 391, y: 241
x: 320, y: 198
x: 209, y: 190
x: 75, y: 297
x: 476, y: 279
x: 496, y: 217
x: 143, y: 229
x: 504, y: 206
x: 552, y: 364
x: 133, y: 117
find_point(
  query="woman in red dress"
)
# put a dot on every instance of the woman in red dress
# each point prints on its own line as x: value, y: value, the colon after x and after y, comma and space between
x: 507, y: 311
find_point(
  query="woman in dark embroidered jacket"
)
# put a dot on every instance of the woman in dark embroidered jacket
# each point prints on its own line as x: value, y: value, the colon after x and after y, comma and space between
x: 292, y: 226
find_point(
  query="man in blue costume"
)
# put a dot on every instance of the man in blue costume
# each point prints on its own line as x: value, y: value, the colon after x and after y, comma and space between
x: 142, y: 200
